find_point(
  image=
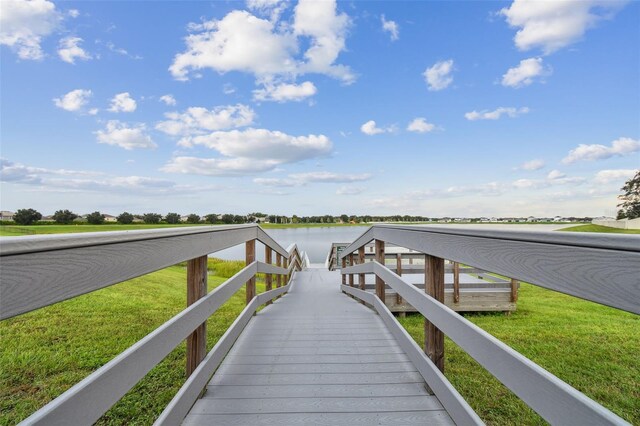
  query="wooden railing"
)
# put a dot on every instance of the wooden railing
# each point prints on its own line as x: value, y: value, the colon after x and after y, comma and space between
x: 601, y: 268
x: 39, y: 271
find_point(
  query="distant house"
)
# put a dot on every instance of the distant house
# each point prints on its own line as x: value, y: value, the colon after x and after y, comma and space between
x: 6, y: 215
x: 531, y: 219
x: 109, y: 218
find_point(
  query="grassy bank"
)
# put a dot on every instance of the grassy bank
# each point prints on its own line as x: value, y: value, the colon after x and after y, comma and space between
x: 45, y: 352
x: 600, y: 228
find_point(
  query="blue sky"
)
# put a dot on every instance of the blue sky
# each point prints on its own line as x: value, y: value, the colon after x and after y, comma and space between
x: 432, y: 108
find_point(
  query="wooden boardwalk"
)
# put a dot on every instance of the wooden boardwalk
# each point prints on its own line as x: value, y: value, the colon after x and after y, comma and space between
x: 316, y: 356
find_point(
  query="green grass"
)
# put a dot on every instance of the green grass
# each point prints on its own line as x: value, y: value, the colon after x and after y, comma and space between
x: 600, y: 228
x: 17, y: 230
x: 594, y: 348
x: 45, y: 352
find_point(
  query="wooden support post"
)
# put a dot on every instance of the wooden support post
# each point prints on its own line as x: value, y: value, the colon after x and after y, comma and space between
x: 196, y: 289
x: 399, y: 271
x: 268, y: 278
x: 456, y: 282
x: 344, y: 276
x: 380, y: 291
x: 514, y: 290
x: 351, y: 275
x: 434, y: 286
x: 250, y: 257
x: 361, y: 277
x: 279, y: 264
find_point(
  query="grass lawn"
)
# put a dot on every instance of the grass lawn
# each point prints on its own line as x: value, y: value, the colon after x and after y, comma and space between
x: 600, y: 228
x: 46, y: 351
x: 594, y: 348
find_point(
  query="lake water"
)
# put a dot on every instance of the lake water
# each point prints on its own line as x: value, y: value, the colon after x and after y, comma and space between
x: 317, y: 241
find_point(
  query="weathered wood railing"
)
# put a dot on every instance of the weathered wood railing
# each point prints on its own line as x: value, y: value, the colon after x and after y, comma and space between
x: 601, y: 268
x: 39, y: 271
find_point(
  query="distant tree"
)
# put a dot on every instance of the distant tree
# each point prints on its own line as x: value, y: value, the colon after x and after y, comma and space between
x: 193, y: 218
x: 64, y: 216
x: 26, y: 216
x: 211, y: 218
x: 630, y: 205
x: 125, y: 218
x: 227, y: 218
x: 172, y: 218
x: 151, y: 218
x: 238, y: 219
x: 95, y: 218
x: 344, y: 218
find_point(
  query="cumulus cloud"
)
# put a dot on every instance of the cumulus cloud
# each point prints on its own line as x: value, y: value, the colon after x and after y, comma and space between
x: 217, y: 166
x: 438, y: 76
x: 123, y: 102
x: 301, y: 179
x: 370, y: 128
x: 125, y: 136
x: 69, y: 50
x: 268, y: 49
x: 420, y: 125
x: 552, y: 25
x: 23, y: 25
x: 168, y: 100
x: 618, y: 176
x: 525, y: 73
x: 269, y: 8
x: 199, y: 120
x: 532, y: 165
x: 73, y: 101
x: 74, y: 13
x: 349, y: 190
x: 619, y: 147
x: 285, y: 92
x: 495, y: 114
x: 555, y: 175
x: 391, y: 27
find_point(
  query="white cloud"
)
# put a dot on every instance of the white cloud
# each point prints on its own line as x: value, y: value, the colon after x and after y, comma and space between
x: 552, y: 25
x: 618, y: 176
x: 270, y: 8
x: 23, y: 24
x: 123, y: 102
x: 495, y: 114
x: 125, y: 136
x: 265, y: 144
x: 370, y: 128
x: 555, y: 175
x: 438, y: 76
x: 532, y: 165
x: 218, y: 166
x: 73, y: 101
x: 285, y: 92
x: 277, y: 182
x: 391, y: 27
x: 525, y: 73
x: 93, y: 111
x: 168, y: 100
x: 619, y: 147
x: 350, y: 190
x: 420, y: 125
x: 199, y: 120
x: 74, y: 13
x: 69, y: 50
x: 329, y: 177
x: 243, y: 42
x: 228, y: 89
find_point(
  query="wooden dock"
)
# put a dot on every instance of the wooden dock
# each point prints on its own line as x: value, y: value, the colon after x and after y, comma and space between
x: 317, y: 357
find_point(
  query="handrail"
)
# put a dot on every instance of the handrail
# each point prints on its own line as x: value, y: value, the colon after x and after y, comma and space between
x: 42, y: 270
x: 53, y: 259
x: 555, y: 400
x: 600, y: 268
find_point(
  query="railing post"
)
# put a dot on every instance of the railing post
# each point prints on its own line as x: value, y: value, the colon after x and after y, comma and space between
x: 250, y: 257
x: 434, y: 286
x: 286, y: 266
x: 380, y: 259
x: 268, y: 277
x: 399, y: 271
x: 279, y: 264
x: 351, y: 275
x: 196, y: 289
x: 344, y: 276
x: 456, y: 282
x: 361, y: 277
x: 514, y: 290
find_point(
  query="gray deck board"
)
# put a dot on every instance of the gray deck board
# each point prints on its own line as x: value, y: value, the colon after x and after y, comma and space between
x: 316, y: 356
